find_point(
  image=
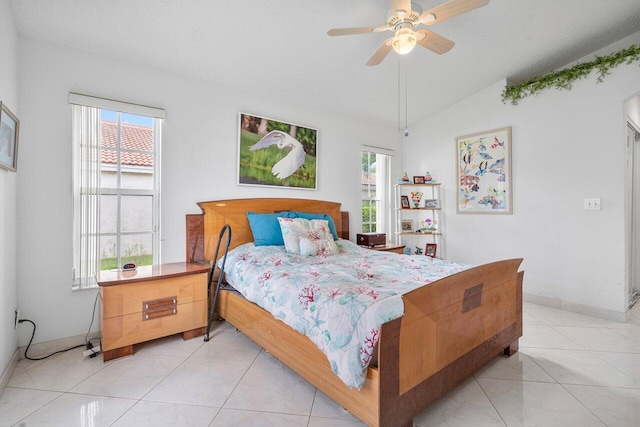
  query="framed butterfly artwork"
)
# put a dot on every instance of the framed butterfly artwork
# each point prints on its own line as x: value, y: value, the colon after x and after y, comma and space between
x: 484, y: 172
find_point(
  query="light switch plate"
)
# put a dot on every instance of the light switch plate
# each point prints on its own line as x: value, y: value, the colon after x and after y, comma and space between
x: 592, y: 204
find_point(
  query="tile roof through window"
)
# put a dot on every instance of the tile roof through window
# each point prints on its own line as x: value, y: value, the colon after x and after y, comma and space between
x: 134, y: 137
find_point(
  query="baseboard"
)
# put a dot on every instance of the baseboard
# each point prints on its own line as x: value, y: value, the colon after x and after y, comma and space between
x: 576, y: 308
x: 48, y: 347
x: 9, y: 370
x: 547, y: 302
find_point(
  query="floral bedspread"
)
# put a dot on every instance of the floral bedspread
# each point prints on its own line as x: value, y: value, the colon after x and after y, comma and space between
x: 339, y: 301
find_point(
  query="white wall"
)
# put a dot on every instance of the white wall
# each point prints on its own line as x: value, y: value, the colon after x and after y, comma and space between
x: 567, y: 146
x: 198, y: 164
x: 8, y: 186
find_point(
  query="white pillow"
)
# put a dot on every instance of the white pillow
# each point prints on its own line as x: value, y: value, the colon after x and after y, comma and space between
x: 295, y: 228
x: 319, y: 247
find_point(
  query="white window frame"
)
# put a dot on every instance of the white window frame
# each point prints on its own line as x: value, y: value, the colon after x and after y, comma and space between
x: 86, y: 163
x: 383, y: 187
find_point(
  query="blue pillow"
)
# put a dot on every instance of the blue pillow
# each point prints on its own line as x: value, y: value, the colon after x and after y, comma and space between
x: 266, y: 228
x: 307, y: 215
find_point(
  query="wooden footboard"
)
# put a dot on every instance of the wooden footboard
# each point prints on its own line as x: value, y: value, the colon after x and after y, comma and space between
x: 450, y: 328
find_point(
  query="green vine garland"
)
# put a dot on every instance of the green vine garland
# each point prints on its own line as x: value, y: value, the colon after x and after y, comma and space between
x: 562, y: 79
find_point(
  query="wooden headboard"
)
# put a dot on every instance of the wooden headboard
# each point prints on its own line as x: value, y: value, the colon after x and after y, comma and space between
x: 203, y: 229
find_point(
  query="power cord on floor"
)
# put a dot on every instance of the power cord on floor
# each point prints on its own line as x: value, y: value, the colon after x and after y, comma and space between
x: 88, y: 344
x: 26, y: 356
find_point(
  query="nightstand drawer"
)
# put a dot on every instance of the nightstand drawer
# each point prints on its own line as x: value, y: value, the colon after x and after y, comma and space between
x: 133, y: 328
x: 127, y: 299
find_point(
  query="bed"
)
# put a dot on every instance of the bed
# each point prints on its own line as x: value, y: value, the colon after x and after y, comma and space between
x: 449, y: 329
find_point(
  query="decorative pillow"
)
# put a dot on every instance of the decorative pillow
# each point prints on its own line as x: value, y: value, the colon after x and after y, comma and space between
x: 266, y: 229
x: 295, y: 228
x: 310, y: 216
x: 319, y: 247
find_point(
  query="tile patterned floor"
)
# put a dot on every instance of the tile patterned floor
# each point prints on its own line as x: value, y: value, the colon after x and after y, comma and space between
x: 572, y: 370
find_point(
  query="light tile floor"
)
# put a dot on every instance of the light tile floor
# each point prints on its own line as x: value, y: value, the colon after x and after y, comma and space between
x: 571, y: 370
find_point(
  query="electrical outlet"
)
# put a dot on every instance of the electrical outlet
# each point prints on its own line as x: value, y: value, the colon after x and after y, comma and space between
x: 16, y: 318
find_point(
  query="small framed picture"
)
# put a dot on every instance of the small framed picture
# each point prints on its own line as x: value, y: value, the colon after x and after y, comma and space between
x: 404, y: 202
x: 9, y: 126
x: 430, y: 250
x: 431, y: 203
x: 406, y: 225
x: 418, y: 179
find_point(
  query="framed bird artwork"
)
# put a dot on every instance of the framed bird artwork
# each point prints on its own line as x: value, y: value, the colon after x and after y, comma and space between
x: 484, y: 172
x: 276, y: 153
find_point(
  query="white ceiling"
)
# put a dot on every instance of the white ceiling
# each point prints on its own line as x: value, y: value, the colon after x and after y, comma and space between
x: 280, y: 49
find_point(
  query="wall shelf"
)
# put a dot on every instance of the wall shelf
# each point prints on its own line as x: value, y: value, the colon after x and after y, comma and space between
x: 417, y: 216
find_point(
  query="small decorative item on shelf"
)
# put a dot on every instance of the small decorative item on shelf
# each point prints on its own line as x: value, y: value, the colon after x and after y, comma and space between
x: 416, y: 196
x: 418, y: 179
x: 429, y: 225
x: 404, y: 202
x: 431, y: 203
x: 430, y: 250
x: 427, y: 177
x: 404, y: 179
x: 406, y: 225
x: 418, y: 250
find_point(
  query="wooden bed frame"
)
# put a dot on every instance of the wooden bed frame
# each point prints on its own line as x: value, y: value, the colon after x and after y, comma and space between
x: 450, y: 328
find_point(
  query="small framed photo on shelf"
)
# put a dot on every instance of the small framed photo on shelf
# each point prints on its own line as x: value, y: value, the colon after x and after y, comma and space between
x: 418, y: 179
x: 431, y: 203
x: 430, y: 250
x: 404, y: 202
x: 406, y: 225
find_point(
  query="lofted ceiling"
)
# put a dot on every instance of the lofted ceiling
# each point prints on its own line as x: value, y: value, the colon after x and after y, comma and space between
x: 280, y: 48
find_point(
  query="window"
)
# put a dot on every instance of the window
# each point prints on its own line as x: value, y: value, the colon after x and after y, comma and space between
x: 116, y: 186
x: 375, y: 172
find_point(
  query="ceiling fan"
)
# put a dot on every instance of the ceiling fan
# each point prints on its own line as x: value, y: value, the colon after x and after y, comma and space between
x: 404, y: 18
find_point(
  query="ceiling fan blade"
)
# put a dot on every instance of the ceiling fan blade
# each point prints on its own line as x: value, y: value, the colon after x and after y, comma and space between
x: 361, y: 30
x: 381, y: 53
x: 449, y: 10
x: 434, y: 42
x: 404, y: 5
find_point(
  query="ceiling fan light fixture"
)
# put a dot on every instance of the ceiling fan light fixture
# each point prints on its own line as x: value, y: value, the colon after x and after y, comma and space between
x: 404, y: 41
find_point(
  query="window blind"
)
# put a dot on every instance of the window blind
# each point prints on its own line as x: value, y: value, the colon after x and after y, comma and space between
x: 86, y: 197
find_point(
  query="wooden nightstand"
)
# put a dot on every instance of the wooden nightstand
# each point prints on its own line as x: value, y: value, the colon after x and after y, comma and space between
x: 151, y: 302
x: 387, y: 248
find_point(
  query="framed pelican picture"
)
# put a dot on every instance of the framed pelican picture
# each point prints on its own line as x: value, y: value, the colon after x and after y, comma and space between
x: 275, y: 153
